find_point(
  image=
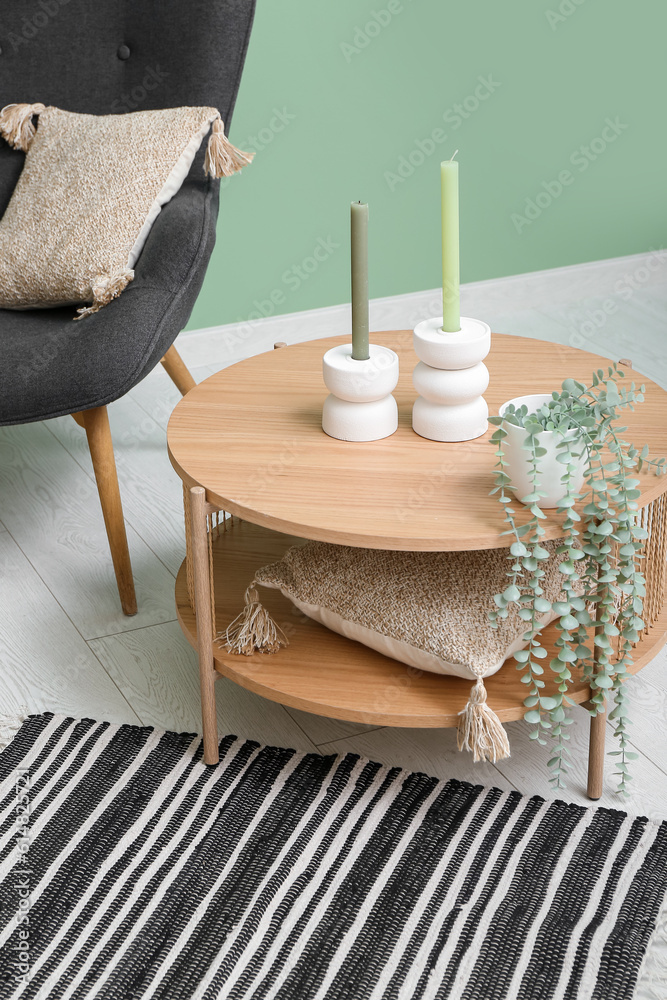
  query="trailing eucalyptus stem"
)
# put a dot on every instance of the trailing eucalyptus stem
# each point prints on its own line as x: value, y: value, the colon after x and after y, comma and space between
x: 600, y: 551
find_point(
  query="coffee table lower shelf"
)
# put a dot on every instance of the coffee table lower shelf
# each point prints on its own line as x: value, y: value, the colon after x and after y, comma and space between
x: 326, y: 674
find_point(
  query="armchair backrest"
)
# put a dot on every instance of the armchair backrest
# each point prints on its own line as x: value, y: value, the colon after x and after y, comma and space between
x: 115, y: 56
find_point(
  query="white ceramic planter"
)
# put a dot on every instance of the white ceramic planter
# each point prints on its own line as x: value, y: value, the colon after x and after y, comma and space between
x: 360, y: 407
x: 550, y: 470
x: 450, y: 379
x: 452, y: 351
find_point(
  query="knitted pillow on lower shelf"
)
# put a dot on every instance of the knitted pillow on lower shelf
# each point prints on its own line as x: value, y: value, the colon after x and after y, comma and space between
x: 89, y: 192
x: 427, y: 609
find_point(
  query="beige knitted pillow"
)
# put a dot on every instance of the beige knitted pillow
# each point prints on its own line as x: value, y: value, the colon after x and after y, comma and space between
x: 426, y: 609
x: 90, y: 189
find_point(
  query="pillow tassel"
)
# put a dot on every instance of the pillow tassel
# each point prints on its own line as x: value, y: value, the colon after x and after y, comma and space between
x: 223, y: 159
x: 480, y: 730
x: 253, y: 630
x: 105, y: 287
x: 16, y: 124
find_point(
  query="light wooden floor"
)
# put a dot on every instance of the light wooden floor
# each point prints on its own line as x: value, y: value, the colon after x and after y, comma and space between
x: 65, y: 646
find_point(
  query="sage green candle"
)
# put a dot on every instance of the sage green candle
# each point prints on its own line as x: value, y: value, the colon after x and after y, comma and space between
x: 451, y: 307
x: 359, y: 272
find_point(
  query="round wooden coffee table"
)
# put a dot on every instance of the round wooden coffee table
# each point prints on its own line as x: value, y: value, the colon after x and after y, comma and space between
x: 249, y: 441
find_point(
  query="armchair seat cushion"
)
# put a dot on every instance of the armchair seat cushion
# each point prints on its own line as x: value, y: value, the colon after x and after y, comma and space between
x: 50, y: 366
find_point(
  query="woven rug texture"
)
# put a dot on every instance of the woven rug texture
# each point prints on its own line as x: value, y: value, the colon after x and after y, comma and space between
x: 129, y: 869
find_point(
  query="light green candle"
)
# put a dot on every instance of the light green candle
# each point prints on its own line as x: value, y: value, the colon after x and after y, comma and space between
x: 359, y: 262
x: 451, y: 306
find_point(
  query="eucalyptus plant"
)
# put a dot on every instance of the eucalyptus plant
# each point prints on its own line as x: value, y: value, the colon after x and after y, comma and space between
x: 600, y: 551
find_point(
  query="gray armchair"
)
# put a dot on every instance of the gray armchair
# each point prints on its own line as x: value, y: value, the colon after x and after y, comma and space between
x: 111, y: 58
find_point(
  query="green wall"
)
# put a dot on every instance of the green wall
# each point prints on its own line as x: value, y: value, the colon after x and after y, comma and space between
x: 341, y: 100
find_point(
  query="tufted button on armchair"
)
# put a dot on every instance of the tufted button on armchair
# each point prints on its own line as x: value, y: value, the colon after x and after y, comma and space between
x: 113, y: 58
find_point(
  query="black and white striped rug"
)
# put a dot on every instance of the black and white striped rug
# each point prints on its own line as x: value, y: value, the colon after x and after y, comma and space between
x: 128, y: 869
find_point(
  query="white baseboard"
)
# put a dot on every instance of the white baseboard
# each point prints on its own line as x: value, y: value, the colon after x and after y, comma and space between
x: 491, y: 300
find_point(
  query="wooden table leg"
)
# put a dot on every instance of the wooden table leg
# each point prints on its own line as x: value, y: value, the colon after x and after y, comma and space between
x: 202, y: 582
x: 596, y: 748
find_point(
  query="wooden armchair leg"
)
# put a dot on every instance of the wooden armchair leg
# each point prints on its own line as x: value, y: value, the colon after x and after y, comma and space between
x: 98, y: 432
x: 177, y: 371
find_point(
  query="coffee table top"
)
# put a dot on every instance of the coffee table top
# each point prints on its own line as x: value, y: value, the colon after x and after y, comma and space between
x: 251, y: 435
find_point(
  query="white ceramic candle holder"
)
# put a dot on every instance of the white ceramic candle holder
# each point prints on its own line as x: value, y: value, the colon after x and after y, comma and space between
x: 360, y: 406
x: 451, y: 379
